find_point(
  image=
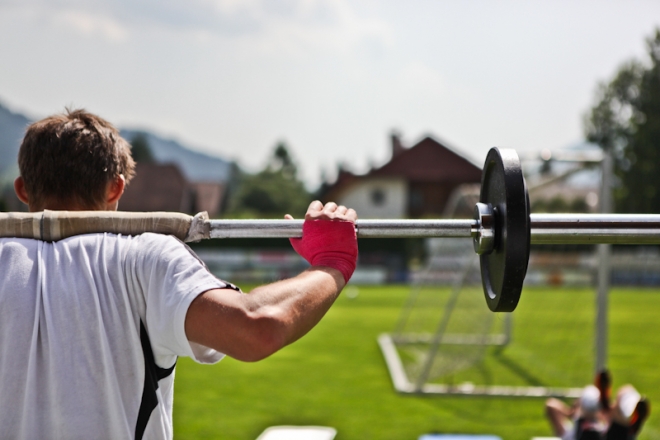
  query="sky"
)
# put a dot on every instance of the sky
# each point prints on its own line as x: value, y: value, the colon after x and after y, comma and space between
x: 331, y: 78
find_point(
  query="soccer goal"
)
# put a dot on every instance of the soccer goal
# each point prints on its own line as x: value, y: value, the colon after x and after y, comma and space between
x: 446, y: 340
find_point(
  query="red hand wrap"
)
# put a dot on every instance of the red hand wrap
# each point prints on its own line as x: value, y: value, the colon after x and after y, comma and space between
x: 329, y: 243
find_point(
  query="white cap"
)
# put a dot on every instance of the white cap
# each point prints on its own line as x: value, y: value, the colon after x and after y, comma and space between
x: 589, y: 399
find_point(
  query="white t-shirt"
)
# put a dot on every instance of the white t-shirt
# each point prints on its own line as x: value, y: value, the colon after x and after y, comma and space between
x: 90, y: 330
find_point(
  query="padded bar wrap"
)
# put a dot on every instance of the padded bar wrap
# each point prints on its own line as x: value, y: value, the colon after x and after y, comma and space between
x: 56, y: 225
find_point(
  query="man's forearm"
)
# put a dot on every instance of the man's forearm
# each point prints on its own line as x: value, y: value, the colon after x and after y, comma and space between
x: 303, y: 300
x: 252, y: 326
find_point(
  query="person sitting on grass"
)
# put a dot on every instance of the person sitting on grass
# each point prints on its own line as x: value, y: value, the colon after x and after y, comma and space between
x: 593, y: 417
x: 91, y: 326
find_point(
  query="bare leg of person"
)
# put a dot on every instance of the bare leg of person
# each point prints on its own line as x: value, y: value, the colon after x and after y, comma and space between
x: 559, y: 414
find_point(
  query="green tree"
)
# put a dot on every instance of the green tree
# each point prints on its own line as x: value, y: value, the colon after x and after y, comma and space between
x: 578, y: 205
x: 283, y: 162
x: 272, y: 192
x: 140, y: 149
x: 625, y: 121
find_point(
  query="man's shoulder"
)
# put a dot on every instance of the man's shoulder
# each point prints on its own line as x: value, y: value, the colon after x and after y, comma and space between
x: 149, y: 240
x: 146, y: 237
x: 154, y: 246
x: 147, y: 243
x: 12, y: 245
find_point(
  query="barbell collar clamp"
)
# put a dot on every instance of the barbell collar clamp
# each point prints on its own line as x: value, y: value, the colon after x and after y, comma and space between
x: 483, y: 232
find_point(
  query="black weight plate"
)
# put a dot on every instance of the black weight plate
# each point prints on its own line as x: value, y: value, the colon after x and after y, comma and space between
x: 503, y: 270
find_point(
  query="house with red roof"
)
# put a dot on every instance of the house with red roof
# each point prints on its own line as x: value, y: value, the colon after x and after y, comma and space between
x: 157, y: 187
x: 417, y: 182
x: 164, y: 187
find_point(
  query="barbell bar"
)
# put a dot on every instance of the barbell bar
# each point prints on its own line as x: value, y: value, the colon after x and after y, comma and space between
x: 545, y: 229
x: 502, y: 228
x: 632, y: 229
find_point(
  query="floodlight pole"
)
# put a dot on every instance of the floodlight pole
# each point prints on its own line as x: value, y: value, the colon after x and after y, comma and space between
x: 603, y: 268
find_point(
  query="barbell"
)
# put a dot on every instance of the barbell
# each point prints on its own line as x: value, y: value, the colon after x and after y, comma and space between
x: 502, y: 228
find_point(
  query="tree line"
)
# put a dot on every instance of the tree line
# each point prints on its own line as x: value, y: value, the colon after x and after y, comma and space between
x: 625, y: 122
x: 270, y: 193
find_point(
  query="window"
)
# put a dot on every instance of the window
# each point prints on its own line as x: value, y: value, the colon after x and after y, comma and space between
x: 378, y: 197
x: 416, y: 199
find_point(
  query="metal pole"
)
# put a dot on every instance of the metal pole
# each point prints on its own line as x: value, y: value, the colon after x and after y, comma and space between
x: 595, y: 228
x: 365, y: 228
x: 603, y: 269
x: 545, y: 228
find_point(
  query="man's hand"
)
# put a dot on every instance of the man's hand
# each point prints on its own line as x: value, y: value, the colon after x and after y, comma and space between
x: 329, y: 211
x: 329, y: 238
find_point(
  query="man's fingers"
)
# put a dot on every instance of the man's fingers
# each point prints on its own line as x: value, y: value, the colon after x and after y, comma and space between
x: 314, y: 208
x: 288, y: 217
x: 329, y: 211
x: 329, y: 208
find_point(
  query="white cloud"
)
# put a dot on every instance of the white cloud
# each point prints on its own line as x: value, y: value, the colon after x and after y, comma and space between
x: 328, y: 25
x: 91, y: 25
x: 258, y: 28
x: 288, y: 27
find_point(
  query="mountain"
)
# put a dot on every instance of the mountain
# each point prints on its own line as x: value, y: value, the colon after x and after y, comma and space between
x: 197, y: 167
x: 12, y: 129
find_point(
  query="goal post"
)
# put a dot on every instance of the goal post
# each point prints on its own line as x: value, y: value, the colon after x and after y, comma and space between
x: 445, y: 344
x: 447, y: 341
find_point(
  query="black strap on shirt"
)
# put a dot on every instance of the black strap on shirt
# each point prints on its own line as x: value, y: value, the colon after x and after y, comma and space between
x: 152, y: 374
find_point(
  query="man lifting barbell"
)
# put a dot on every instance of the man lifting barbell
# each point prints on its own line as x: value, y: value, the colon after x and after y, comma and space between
x: 503, y: 229
x: 148, y: 298
x: 91, y: 326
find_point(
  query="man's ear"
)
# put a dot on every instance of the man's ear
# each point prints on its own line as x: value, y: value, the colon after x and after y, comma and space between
x: 115, y: 190
x: 19, y: 189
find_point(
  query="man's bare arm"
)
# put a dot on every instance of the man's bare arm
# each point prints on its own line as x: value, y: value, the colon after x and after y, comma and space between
x: 252, y: 326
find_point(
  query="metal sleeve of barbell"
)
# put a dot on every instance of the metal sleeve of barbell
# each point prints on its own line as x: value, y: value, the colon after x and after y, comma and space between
x: 365, y: 228
x: 595, y: 228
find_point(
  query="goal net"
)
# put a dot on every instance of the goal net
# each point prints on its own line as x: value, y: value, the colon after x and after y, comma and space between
x: 447, y: 341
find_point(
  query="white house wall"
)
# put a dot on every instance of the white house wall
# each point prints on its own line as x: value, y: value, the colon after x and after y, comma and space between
x: 363, y: 197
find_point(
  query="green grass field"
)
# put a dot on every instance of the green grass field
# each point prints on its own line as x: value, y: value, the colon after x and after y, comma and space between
x: 336, y: 376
